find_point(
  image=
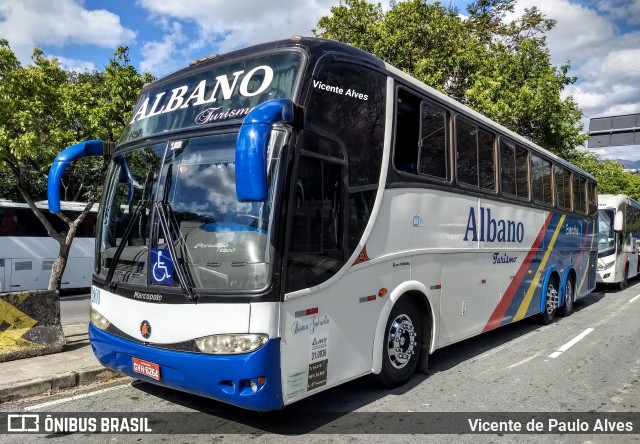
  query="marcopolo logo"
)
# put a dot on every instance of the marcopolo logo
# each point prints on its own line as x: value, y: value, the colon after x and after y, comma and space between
x: 488, y: 229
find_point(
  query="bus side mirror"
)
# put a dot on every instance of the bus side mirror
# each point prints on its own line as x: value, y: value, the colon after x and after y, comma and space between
x: 251, y: 148
x: 618, y: 222
x: 63, y: 160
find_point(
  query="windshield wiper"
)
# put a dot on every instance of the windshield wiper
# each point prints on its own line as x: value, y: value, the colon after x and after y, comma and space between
x: 187, y: 287
x: 148, y: 182
x: 125, y: 237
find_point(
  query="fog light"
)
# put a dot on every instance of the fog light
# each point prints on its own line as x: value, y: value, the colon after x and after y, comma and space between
x: 253, y: 385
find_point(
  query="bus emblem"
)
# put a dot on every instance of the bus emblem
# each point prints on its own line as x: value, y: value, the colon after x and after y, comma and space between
x: 418, y: 220
x: 145, y: 329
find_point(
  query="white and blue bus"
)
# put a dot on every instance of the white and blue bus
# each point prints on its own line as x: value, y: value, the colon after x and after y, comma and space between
x: 287, y: 217
x: 618, y: 239
x: 27, y: 253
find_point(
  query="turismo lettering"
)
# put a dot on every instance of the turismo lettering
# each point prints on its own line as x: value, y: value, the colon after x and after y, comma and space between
x: 492, y: 230
x: 181, y: 97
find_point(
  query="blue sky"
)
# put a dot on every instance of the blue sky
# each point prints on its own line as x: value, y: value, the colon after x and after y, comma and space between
x: 601, y: 38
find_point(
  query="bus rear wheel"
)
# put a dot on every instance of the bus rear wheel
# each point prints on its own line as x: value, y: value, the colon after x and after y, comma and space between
x: 569, y: 298
x: 551, y: 302
x: 402, y: 343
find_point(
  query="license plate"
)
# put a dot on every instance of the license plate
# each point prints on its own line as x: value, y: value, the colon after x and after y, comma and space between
x: 146, y: 368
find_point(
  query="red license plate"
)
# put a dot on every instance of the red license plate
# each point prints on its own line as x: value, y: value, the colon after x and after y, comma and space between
x: 146, y: 368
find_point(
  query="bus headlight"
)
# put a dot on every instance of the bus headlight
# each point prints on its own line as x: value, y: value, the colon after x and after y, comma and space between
x: 604, y: 266
x: 231, y: 344
x: 98, y: 320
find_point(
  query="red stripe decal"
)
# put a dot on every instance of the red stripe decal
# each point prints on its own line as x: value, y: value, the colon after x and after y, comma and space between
x: 498, y: 314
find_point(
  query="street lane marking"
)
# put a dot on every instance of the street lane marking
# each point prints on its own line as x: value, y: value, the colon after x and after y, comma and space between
x: 633, y: 299
x: 524, y: 361
x: 571, y: 343
x: 73, y: 398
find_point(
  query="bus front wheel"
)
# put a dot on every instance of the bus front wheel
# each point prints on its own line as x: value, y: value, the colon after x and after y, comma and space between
x: 623, y: 283
x: 402, y: 343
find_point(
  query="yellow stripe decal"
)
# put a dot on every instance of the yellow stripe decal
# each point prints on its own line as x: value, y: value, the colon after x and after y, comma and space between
x: 522, y: 310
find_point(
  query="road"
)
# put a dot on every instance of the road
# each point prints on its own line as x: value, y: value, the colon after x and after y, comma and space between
x: 589, y: 361
x: 74, y: 308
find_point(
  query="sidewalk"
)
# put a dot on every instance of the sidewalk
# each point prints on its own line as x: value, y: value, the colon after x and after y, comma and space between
x: 74, y: 366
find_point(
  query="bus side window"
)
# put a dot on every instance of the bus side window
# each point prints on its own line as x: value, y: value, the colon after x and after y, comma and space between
x: 475, y: 161
x: 541, y: 180
x: 315, y: 247
x: 407, y: 133
x: 434, y: 155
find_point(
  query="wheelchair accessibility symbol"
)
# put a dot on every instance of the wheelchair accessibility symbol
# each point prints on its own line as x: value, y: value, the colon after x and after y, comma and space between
x: 161, y: 267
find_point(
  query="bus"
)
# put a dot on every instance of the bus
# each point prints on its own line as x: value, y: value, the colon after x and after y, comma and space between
x: 301, y: 214
x: 27, y: 252
x: 618, y: 239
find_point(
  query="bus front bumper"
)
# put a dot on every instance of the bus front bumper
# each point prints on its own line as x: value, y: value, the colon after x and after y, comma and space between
x: 225, y: 378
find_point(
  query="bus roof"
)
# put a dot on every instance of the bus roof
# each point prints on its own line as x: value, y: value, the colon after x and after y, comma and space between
x: 615, y: 200
x: 317, y: 47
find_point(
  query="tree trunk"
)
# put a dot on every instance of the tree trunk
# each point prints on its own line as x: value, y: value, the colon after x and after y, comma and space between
x: 60, y: 264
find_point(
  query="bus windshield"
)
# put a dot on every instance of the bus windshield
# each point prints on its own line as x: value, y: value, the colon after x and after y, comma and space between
x: 180, y: 198
x: 606, y: 235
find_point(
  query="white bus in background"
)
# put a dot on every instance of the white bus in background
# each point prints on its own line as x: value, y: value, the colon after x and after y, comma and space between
x: 618, y: 239
x: 27, y: 252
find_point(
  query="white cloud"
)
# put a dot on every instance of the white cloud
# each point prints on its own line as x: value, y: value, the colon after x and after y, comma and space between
x: 75, y: 64
x: 604, y: 54
x: 158, y: 55
x: 227, y: 25
x: 30, y: 23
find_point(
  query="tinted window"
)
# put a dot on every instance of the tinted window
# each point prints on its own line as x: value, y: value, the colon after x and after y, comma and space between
x: 514, y: 167
x: 23, y: 222
x: 592, y: 197
x: 348, y: 102
x: 541, y: 180
x: 579, y: 194
x: 433, y: 142
x: 316, y: 245
x: 474, y: 155
x: 563, y: 187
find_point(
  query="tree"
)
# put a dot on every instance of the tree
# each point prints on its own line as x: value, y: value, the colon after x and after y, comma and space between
x: 43, y: 109
x: 610, y: 175
x: 500, y: 68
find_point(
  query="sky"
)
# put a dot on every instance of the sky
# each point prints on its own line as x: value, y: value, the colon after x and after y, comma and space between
x: 599, y: 38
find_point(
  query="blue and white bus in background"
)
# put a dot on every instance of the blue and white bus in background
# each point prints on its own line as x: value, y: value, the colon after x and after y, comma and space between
x: 27, y: 253
x: 618, y: 239
x: 287, y: 217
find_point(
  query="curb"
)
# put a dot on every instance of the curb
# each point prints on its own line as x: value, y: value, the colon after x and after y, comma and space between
x: 49, y: 386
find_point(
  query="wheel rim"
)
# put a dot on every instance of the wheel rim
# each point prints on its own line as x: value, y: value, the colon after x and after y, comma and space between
x: 568, y: 296
x: 401, y: 341
x: 552, y: 299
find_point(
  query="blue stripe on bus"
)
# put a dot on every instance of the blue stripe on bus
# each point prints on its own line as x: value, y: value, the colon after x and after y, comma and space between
x: 198, y: 373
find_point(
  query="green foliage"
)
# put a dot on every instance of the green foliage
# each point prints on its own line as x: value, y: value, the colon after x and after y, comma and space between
x: 610, y: 176
x: 44, y: 109
x: 500, y: 68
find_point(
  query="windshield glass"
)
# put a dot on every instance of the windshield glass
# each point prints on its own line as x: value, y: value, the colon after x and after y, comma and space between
x: 606, y: 235
x: 196, y: 222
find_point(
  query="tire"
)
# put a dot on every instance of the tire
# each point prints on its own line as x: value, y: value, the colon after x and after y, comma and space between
x: 623, y: 283
x: 401, y: 349
x: 551, y: 302
x: 569, y: 298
